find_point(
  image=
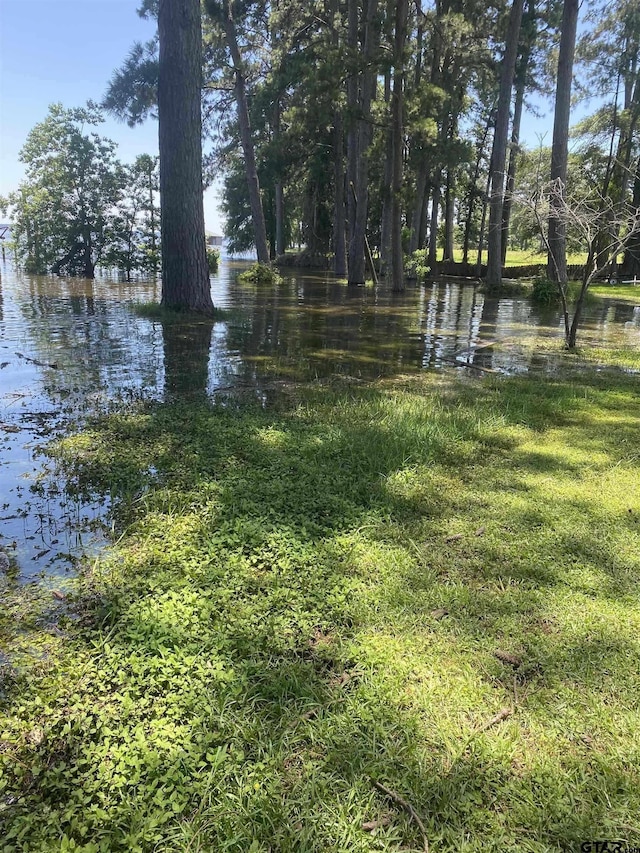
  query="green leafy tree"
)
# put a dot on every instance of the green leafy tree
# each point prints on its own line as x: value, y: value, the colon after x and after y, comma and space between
x: 64, y: 209
x: 132, y: 244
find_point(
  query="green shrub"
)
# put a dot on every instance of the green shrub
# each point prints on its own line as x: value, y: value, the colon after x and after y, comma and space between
x: 545, y: 291
x: 213, y: 259
x: 416, y: 265
x: 259, y: 274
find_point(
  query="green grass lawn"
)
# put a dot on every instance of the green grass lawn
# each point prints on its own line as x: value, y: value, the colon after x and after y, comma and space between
x: 517, y: 258
x: 619, y: 292
x: 429, y: 583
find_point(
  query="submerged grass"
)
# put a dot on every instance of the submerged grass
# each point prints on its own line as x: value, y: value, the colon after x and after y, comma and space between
x: 429, y: 582
x: 156, y: 311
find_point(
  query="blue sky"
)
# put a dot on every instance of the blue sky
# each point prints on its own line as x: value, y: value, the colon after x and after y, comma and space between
x: 66, y: 50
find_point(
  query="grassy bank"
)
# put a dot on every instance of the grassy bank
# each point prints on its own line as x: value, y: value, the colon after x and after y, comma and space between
x: 521, y: 257
x: 619, y: 292
x: 429, y: 583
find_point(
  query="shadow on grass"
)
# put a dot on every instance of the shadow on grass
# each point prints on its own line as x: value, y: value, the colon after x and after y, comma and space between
x: 345, y: 588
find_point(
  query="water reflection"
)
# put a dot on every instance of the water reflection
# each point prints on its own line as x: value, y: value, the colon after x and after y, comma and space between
x: 71, y: 347
x: 186, y: 349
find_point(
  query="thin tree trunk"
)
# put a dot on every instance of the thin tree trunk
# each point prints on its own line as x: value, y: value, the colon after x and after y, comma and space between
x: 498, y: 158
x: 361, y: 184
x: 422, y: 232
x: 631, y: 261
x: 449, y: 210
x: 339, y: 210
x: 557, y: 260
x: 433, y: 227
x: 352, y: 130
x: 418, y: 213
x: 529, y: 34
x: 152, y: 223
x: 473, y: 193
x: 627, y: 137
x: 622, y: 167
x: 278, y: 188
x: 387, y: 180
x: 397, y: 259
x: 253, y: 184
x: 339, y: 244
x: 89, y: 266
x: 417, y: 216
x: 511, y: 172
x: 602, y: 237
x: 483, y: 222
x: 420, y: 20
x: 279, y: 204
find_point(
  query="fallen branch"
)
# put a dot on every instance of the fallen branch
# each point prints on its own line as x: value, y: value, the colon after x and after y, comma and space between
x: 499, y: 717
x: 407, y: 807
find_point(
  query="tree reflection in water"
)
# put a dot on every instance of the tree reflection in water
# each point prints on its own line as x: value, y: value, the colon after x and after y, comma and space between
x: 186, y: 346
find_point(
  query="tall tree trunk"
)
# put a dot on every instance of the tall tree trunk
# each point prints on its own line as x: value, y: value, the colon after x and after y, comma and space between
x: 483, y: 221
x: 339, y: 210
x: 387, y: 180
x: 473, y: 194
x: 248, y: 151
x: 422, y: 231
x: 603, y: 236
x: 418, y: 215
x: 363, y: 139
x: 499, y: 153
x: 433, y: 227
x: 420, y: 21
x: 449, y: 211
x: 339, y: 236
x: 353, y: 89
x: 628, y: 133
x: 185, y: 273
x: 278, y: 188
x: 631, y: 261
x: 279, y: 204
x: 622, y: 170
x: 397, y: 103
x: 557, y: 261
x: 87, y: 259
x: 511, y: 172
x: 522, y: 68
x: 152, y: 222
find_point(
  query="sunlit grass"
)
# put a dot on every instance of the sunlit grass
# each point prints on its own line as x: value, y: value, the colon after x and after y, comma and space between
x: 344, y: 588
x: 516, y: 257
x: 619, y: 292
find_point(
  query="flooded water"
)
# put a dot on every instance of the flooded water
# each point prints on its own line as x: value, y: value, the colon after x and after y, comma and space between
x: 69, y: 348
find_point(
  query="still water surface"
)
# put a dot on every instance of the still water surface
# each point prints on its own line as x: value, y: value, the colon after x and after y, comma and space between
x: 71, y: 347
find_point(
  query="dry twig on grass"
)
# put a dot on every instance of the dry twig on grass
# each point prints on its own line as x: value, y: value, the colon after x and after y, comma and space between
x: 499, y: 717
x: 413, y: 814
